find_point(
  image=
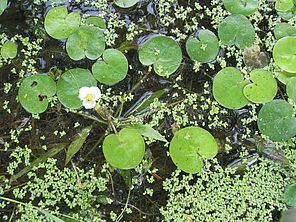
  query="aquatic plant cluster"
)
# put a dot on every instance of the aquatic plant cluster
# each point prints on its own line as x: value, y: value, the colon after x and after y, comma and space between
x: 139, y: 110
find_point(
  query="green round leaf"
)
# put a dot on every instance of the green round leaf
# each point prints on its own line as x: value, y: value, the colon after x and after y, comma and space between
x: 113, y: 69
x: 284, y: 5
x: 124, y: 150
x: 284, y: 29
x: 87, y: 42
x: 228, y: 88
x: 69, y: 84
x: 163, y: 52
x: 243, y: 7
x: 189, y: 146
x: 9, y: 50
x: 125, y: 3
x: 291, y: 88
x: 236, y: 30
x: 283, y: 76
x: 96, y: 21
x: 263, y: 87
x: 290, y: 195
x: 59, y: 24
x: 35, y: 91
x: 276, y: 120
x: 3, y: 6
x: 203, y: 48
x: 284, y: 53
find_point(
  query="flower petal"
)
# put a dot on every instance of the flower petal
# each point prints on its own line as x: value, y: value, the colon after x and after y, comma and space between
x: 89, y: 104
x: 96, y: 92
x: 83, y: 91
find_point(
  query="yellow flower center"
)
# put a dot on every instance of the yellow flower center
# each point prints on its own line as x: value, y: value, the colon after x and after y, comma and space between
x: 89, y: 97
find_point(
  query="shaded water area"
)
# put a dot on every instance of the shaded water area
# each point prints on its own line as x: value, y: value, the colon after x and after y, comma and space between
x: 18, y: 19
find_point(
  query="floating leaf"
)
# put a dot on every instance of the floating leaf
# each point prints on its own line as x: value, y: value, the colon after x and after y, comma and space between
x: 96, y: 21
x: 284, y: 5
x: 35, y: 91
x: 228, y: 88
x: 283, y: 76
x: 59, y: 24
x: 112, y: 69
x: 291, y: 88
x: 189, y: 146
x: 86, y: 41
x: 204, y: 47
x: 263, y: 87
x: 243, y: 7
x: 69, y: 84
x: 52, y: 151
x: 284, y: 53
x: 3, y: 6
x: 124, y: 150
x: 149, y: 132
x: 236, y: 30
x: 290, y: 195
x: 125, y: 3
x: 9, y: 50
x: 289, y: 215
x: 163, y: 53
x: 276, y: 120
x: 284, y: 29
x: 77, y: 143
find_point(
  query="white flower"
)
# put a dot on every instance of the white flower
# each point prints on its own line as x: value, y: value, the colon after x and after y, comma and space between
x: 89, y: 96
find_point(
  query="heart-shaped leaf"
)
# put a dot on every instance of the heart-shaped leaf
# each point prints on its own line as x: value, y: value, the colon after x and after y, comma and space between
x: 189, y: 146
x: 124, y: 150
x: 59, y: 24
x: 284, y: 53
x: 96, y: 21
x: 9, y: 50
x: 228, y: 88
x: 163, y: 53
x: 290, y: 195
x: 112, y: 69
x: 284, y: 29
x: 35, y: 91
x: 276, y: 120
x: 125, y: 3
x: 3, y: 6
x: 291, y: 88
x: 243, y: 7
x: 86, y: 41
x: 69, y: 84
x: 236, y: 30
x: 263, y: 87
x: 204, y: 47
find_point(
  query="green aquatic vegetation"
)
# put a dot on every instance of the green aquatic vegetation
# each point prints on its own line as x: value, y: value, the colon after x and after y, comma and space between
x: 96, y: 21
x: 9, y: 50
x: 190, y: 146
x: 276, y: 120
x: 290, y: 195
x: 3, y: 6
x: 35, y: 92
x: 163, y: 53
x: 125, y: 3
x: 242, y: 7
x: 236, y: 30
x: 284, y: 53
x: 228, y: 88
x: 124, y: 150
x: 70, y: 83
x: 263, y: 87
x: 204, y: 47
x: 112, y: 68
x: 59, y: 24
x: 86, y: 42
x: 284, y: 5
x: 284, y: 29
x: 291, y: 88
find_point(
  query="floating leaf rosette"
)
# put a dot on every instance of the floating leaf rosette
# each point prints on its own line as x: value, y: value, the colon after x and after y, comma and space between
x: 59, y: 24
x: 276, y: 120
x: 124, y: 150
x: 243, y: 7
x: 236, y: 30
x: 69, y: 84
x: 112, y: 69
x: 228, y: 88
x: 190, y: 146
x: 163, y: 53
x: 35, y: 91
x: 86, y: 41
x: 204, y: 47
